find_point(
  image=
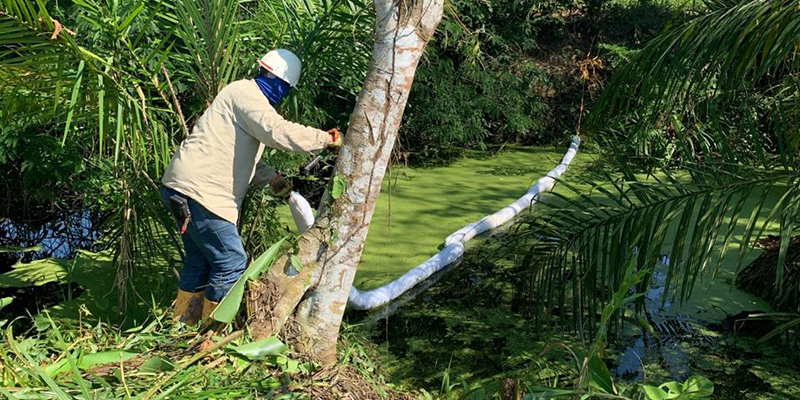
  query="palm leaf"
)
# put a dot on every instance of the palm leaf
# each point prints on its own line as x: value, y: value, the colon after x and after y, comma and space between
x: 697, y: 77
x: 583, y: 254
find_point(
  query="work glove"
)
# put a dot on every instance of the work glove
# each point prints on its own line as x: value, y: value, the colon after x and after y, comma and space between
x: 264, y: 174
x: 280, y: 187
x: 334, y: 138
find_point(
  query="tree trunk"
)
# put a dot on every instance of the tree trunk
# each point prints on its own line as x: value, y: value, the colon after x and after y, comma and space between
x: 332, y: 248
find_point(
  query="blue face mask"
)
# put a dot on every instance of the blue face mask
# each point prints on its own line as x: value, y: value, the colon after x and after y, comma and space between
x: 274, y: 88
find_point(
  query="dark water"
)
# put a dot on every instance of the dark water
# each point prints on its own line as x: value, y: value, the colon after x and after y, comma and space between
x: 31, y: 300
x: 60, y: 235
x: 669, y: 348
x: 466, y: 325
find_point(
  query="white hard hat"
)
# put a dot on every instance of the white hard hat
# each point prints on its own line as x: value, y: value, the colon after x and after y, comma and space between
x: 283, y: 64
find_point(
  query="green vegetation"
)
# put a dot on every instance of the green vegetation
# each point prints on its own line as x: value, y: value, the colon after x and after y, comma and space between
x: 620, y: 284
x: 518, y: 71
x: 156, y: 360
x: 94, y: 111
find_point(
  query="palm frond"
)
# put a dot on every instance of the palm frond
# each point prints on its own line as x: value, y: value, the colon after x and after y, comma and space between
x: 579, y: 247
x: 110, y: 84
x: 720, y: 87
x: 107, y: 100
x: 732, y: 46
x: 332, y: 38
x: 209, y: 34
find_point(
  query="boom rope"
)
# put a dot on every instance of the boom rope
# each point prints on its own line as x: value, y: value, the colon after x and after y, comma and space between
x: 454, y: 244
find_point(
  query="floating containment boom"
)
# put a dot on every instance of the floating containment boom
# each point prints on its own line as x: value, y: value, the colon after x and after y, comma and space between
x: 454, y: 244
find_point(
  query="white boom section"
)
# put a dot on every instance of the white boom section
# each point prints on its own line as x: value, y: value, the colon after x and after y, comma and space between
x: 454, y: 244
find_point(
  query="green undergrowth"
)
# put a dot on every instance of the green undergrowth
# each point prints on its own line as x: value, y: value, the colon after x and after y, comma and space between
x: 159, y: 359
x: 468, y: 330
x: 95, y: 273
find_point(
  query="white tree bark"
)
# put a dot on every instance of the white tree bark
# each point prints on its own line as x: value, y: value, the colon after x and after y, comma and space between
x: 331, y: 250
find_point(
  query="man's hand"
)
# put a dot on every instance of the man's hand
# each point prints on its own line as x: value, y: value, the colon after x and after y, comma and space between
x: 263, y: 175
x: 280, y: 187
x: 334, y: 138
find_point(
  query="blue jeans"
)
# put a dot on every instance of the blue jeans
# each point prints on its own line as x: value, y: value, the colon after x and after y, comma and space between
x: 215, y: 257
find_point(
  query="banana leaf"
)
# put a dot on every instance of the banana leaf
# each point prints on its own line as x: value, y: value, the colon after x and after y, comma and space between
x: 261, y: 349
x: 5, y: 301
x: 17, y: 249
x: 229, y: 306
x: 89, y: 361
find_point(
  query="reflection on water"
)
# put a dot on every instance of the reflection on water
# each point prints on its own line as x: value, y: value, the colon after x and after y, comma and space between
x: 60, y: 236
x: 675, y: 333
x: 466, y: 325
x: 31, y: 300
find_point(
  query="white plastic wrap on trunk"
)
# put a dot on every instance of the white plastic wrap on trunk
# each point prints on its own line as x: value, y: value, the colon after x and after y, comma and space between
x: 454, y: 244
x: 301, y: 211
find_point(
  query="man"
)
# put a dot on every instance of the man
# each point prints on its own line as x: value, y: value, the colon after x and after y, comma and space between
x: 208, y: 177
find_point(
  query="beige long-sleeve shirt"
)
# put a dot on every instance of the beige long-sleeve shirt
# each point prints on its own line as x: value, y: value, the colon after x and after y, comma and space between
x: 216, y: 163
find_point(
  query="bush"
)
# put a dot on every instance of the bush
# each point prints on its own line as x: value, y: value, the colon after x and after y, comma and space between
x: 485, y: 82
x: 461, y: 103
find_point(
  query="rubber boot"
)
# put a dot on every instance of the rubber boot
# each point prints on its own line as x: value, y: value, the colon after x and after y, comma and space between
x: 208, y: 307
x: 188, y: 307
